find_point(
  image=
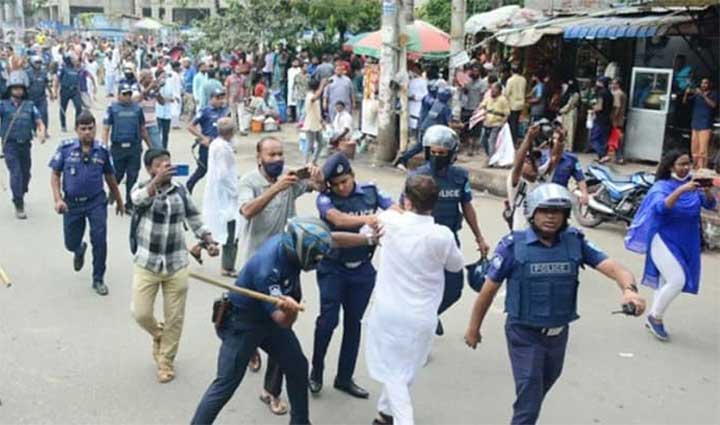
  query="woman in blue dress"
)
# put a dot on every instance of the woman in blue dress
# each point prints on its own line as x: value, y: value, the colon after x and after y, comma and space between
x: 667, y: 229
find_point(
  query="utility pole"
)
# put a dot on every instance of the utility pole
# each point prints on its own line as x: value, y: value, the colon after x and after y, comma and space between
x: 457, y: 45
x: 406, y: 19
x: 387, y: 142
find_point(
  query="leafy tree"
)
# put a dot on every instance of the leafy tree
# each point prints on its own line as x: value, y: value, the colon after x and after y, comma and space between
x: 438, y: 12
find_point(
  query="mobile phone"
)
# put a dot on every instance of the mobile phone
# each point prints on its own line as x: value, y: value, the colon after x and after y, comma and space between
x: 303, y: 173
x: 182, y: 170
x: 704, y: 181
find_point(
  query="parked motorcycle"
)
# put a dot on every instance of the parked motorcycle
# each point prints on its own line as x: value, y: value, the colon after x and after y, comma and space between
x: 612, y: 196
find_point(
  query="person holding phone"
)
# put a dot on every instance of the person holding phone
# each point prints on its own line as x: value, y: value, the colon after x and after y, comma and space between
x: 221, y: 210
x: 705, y: 102
x: 667, y: 229
x: 83, y: 165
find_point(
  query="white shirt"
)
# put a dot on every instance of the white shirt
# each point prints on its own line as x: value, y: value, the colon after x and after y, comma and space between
x: 341, y: 122
x: 220, y: 200
x: 292, y: 72
x: 417, y: 90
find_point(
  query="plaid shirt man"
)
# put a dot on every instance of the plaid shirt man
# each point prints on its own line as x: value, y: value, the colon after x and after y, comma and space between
x: 161, y: 234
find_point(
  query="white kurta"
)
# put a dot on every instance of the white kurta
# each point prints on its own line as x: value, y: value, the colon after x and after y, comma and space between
x: 416, y: 90
x: 220, y: 201
x: 292, y: 72
x: 414, y: 254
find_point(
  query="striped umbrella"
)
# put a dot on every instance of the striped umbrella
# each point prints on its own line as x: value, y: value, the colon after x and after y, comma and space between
x: 424, y: 40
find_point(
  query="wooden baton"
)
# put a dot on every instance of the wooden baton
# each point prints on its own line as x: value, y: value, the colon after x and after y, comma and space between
x: 4, y: 278
x: 238, y: 290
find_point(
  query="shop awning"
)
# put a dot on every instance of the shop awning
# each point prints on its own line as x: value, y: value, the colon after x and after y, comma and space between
x: 625, y: 27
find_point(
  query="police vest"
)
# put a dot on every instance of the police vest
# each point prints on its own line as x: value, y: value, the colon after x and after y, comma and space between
x: 38, y: 85
x: 447, y: 211
x: 69, y: 79
x: 22, y: 128
x: 542, y: 288
x: 126, y: 123
x: 355, y: 204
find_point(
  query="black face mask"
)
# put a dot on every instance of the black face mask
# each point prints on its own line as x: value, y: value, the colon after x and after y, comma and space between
x: 129, y: 76
x: 439, y: 164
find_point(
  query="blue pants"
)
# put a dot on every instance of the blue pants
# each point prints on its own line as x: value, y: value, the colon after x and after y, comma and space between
x: 127, y: 163
x: 156, y: 140
x: 452, y: 291
x: 18, y: 161
x: 93, y: 210
x: 65, y: 98
x: 201, y: 170
x: 351, y: 289
x: 240, y: 339
x: 412, y: 150
x: 42, y: 106
x: 599, y: 139
x: 537, y: 361
x: 164, y: 125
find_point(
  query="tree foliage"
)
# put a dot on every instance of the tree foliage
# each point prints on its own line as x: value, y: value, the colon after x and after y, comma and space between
x: 438, y: 12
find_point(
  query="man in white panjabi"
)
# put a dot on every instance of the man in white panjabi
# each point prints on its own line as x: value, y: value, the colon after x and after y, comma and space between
x: 221, y: 205
x: 414, y: 253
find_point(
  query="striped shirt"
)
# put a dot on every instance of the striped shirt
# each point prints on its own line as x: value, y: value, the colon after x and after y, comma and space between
x: 161, y: 232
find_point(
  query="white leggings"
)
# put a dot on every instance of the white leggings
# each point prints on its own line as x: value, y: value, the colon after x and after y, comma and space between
x: 672, y: 277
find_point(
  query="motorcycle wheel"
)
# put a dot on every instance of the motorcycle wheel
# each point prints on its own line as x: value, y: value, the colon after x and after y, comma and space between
x: 583, y: 213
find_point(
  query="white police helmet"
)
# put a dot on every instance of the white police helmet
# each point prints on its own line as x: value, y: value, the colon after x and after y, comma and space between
x: 442, y: 136
x: 548, y: 195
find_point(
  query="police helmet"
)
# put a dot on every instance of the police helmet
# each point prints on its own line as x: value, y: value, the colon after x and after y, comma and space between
x: 36, y: 59
x: 309, y: 239
x: 442, y: 136
x: 548, y: 195
x: 16, y: 80
x: 476, y: 273
x: 444, y: 94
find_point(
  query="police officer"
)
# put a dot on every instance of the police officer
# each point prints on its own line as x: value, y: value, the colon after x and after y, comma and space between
x: 39, y: 87
x: 274, y: 270
x: 346, y: 277
x: 18, y: 118
x: 541, y: 266
x: 127, y: 121
x: 129, y: 77
x: 67, y: 82
x: 83, y: 163
x: 425, y: 106
x: 204, y: 128
x: 441, y: 146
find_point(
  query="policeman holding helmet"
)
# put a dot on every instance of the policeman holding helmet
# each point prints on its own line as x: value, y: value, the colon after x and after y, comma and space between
x: 454, y: 203
x: 541, y: 265
x: 127, y: 121
x: 346, y: 277
x: 83, y: 164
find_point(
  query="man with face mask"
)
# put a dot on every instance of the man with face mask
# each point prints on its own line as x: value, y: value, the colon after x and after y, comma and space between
x: 19, y: 118
x: 39, y: 87
x: 204, y: 128
x: 454, y: 203
x: 541, y: 266
x: 249, y: 323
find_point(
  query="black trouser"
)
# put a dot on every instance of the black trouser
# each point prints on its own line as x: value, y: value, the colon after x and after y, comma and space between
x: 229, y: 249
x: 513, y: 120
x: 164, y: 125
x: 240, y: 339
x: 65, y: 98
x: 201, y: 170
x: 127, y: 163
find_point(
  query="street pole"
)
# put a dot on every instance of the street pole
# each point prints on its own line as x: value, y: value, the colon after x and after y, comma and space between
x: 387, y: 144
x: 406, y: 19
x: 457, y: 45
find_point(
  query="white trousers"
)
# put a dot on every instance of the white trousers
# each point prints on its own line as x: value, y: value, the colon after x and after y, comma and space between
x: 395, y: 401
x: 672, y: 277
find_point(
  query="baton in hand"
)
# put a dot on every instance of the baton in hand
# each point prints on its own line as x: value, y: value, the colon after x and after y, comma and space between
x: 238, y: 290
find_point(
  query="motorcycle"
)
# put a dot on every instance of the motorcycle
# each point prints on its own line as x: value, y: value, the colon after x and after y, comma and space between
x: 612, y: 196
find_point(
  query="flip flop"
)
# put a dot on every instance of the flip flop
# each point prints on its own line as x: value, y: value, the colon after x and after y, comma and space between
x: 276, y: 405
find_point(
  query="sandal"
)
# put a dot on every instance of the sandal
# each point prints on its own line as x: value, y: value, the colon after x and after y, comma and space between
x: 156, y: 343
x: 383, y: 419
x: 277, y: 405
x: 229, y: 273
x: 165, y: 373
x: 255, y: 362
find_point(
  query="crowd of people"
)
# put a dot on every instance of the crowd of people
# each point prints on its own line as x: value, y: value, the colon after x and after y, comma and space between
x: 155, y: 87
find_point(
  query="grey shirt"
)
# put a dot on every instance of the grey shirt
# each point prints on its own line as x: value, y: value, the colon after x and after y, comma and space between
x: 476, y: 90
x: 272, y: 219
x: 340, y: 89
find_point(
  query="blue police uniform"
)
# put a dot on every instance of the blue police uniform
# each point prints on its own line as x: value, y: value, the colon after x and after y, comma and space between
x: 568, y: 166
x: 455, y: 190
x: 37, y: 91
x: 207, y: 117
x: 541, y: 300
x: 249, y: 325
x: 127, y: 122
x: 17, y: 142
x: 83, y: 187
x: 69, y: 78
x: 346, y: 277
x: 436, y: 113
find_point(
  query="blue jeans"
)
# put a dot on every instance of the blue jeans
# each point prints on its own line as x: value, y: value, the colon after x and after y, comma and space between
x: 240, y: 339
x: 351, y: 289
x: 18, y: 161
x: 94, y: 211
x: 599, y: 138
x: 537, y: 361
x: 155, y: 136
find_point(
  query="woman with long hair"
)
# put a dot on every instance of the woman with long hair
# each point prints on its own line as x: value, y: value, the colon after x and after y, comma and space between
x: 667, y: 229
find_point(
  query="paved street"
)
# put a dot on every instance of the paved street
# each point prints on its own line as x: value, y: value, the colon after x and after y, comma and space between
x: 70, y: 356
